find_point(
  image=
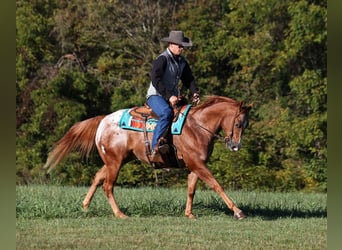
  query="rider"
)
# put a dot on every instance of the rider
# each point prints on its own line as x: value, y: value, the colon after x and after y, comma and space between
x: 167, y: 69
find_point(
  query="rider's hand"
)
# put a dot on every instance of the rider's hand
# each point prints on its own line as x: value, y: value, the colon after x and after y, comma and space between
x: 173, y: 100
x: 196, y: 98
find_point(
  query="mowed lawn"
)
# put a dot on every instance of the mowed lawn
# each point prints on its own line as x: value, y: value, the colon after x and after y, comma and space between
x: 51, y: 217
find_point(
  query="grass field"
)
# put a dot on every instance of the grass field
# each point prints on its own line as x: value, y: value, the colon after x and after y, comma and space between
x: 51, y: 217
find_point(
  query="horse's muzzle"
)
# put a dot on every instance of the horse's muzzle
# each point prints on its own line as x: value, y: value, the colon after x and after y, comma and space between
x: 232, y: 146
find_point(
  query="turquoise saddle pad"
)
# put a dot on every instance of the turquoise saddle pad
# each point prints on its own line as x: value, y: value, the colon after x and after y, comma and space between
x: 128, y: 121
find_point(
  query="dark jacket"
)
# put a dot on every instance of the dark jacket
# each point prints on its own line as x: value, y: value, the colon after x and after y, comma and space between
x: 167, y: 70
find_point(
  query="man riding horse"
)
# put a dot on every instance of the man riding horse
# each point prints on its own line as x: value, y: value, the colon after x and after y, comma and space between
x: 117, y: 145
x: 163, y: 92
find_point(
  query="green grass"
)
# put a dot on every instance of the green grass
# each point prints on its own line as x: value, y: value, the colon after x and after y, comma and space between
x: 51, y: 217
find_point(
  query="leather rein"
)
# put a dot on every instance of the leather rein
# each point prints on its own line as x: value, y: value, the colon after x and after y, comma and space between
x: 224, y: 139
x: 216, y: 136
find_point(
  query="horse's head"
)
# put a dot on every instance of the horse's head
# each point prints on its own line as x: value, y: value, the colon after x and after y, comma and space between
x: 234, y: 129
x: 223, y: 113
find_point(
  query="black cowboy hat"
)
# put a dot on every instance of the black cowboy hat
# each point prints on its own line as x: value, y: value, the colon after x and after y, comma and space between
x: 177, y: 37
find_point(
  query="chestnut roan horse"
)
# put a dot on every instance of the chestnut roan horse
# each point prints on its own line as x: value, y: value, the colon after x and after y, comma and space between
x: 117, y: 146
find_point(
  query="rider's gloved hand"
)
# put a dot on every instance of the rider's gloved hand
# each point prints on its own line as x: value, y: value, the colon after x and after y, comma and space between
x: 196, y: 98
x: 173, y: 100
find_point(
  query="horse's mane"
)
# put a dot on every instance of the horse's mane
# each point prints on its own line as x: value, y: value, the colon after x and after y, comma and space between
x: 213, y: 99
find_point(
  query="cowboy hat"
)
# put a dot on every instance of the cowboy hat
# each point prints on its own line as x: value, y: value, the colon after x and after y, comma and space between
x: 177, y: 37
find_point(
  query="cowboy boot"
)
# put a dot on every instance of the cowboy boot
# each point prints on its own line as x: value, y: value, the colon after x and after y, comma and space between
x: 155, y: 156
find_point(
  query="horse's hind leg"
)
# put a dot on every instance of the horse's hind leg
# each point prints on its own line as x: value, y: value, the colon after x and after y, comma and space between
x: 98, y: 179
x: 108, y: 185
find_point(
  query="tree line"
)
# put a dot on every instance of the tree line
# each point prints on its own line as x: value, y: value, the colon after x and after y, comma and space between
x: 79, y: 59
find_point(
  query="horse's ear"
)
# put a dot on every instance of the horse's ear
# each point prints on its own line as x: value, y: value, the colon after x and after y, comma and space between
x: 246, y: 108
x: 242, y: 104
x: 250, y: 106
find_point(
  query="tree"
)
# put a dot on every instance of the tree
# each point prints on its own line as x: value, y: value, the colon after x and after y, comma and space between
x: 80, y: 59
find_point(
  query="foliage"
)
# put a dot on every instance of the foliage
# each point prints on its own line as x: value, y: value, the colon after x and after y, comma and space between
x: 79, y: 59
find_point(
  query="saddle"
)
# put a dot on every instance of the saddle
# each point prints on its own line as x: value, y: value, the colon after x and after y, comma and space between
x: 168, y: 151
x: 145, y: 112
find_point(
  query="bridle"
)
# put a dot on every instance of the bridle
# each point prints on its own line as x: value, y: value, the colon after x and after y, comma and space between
x: 216, y: 136
x: 224, y: 139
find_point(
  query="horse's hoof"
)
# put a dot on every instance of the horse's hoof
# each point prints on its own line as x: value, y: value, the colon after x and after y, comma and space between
x: 191, y: 217
x: 85, y: 208
x: 121, y: 216
x: 239, y: 216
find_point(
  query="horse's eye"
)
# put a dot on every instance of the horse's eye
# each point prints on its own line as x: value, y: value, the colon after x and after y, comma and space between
x: 238, y: 125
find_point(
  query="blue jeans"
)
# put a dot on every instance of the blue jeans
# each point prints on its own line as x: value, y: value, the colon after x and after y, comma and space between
x: 165, y: 113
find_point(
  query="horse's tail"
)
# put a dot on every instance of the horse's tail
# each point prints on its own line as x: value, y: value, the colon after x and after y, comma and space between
x: 80, y: 137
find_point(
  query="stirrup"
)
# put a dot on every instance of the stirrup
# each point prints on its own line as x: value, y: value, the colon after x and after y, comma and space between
x: 155, y: 155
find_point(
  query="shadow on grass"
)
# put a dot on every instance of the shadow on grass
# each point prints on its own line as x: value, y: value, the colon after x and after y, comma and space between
x: 264, y: 213
x: 215, y: 209
x: 276, y: 213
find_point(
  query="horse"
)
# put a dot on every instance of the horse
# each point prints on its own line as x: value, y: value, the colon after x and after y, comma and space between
x: 117, y: 146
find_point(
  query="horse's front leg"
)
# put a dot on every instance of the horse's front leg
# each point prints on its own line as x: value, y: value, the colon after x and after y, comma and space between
x: 98, y: 179
x: 204, y: 174
x: 192, y: 181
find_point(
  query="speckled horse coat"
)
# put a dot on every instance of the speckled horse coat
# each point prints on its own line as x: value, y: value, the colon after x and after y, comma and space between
x: 117, y: 146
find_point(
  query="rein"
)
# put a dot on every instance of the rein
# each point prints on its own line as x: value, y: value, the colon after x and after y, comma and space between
x: 217, y: 136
